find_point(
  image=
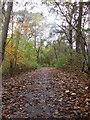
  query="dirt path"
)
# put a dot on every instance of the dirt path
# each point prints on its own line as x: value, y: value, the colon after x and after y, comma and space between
x: 40, y: 93
x: 45, y: 93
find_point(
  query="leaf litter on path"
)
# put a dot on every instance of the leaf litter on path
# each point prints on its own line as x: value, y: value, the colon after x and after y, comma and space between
x: 46, y: 93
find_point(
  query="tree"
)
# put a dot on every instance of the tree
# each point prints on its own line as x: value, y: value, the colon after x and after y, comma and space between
x: 5, y: 27
x: 89, y: 39
x: 78, y: 32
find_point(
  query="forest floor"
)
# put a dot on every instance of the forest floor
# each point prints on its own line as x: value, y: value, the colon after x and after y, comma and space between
x: 46, y: 93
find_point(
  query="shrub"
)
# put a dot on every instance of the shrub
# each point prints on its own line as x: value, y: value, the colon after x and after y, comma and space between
x: 61, y: 61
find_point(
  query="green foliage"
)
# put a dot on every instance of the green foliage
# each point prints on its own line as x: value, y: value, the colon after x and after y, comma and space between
x: 86, y: 30
x: 29, y: 30
x: 25, y: 55
x: 61, y: 61
x: 32, y: 65
x: 5, y: 66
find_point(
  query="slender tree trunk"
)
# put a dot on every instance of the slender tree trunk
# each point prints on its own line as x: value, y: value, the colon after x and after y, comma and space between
x: 11, y: 60
x: 89, y: 40
x: 89, y: 49
x: 35, y: 37
x: 59, y: 43
x: 5, y: 27
x: 70, y: 29
x: 16, y: 49
x: 55, y: 50
x: 70, y: 38
x: 78, y: 34
x: 0, y: 33
x: 38, y: 55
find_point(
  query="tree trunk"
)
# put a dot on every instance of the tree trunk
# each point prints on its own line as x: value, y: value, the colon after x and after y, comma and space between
x: 78, y: 33
x: 89, y: 40
x: 38, y: 55
x: 0, y: 33
x: 55, y: 51
x: 70, y: 38
x: 5, y: 27
x: 16, y: 49
x: 70, y: 29
x: 89, y: 49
